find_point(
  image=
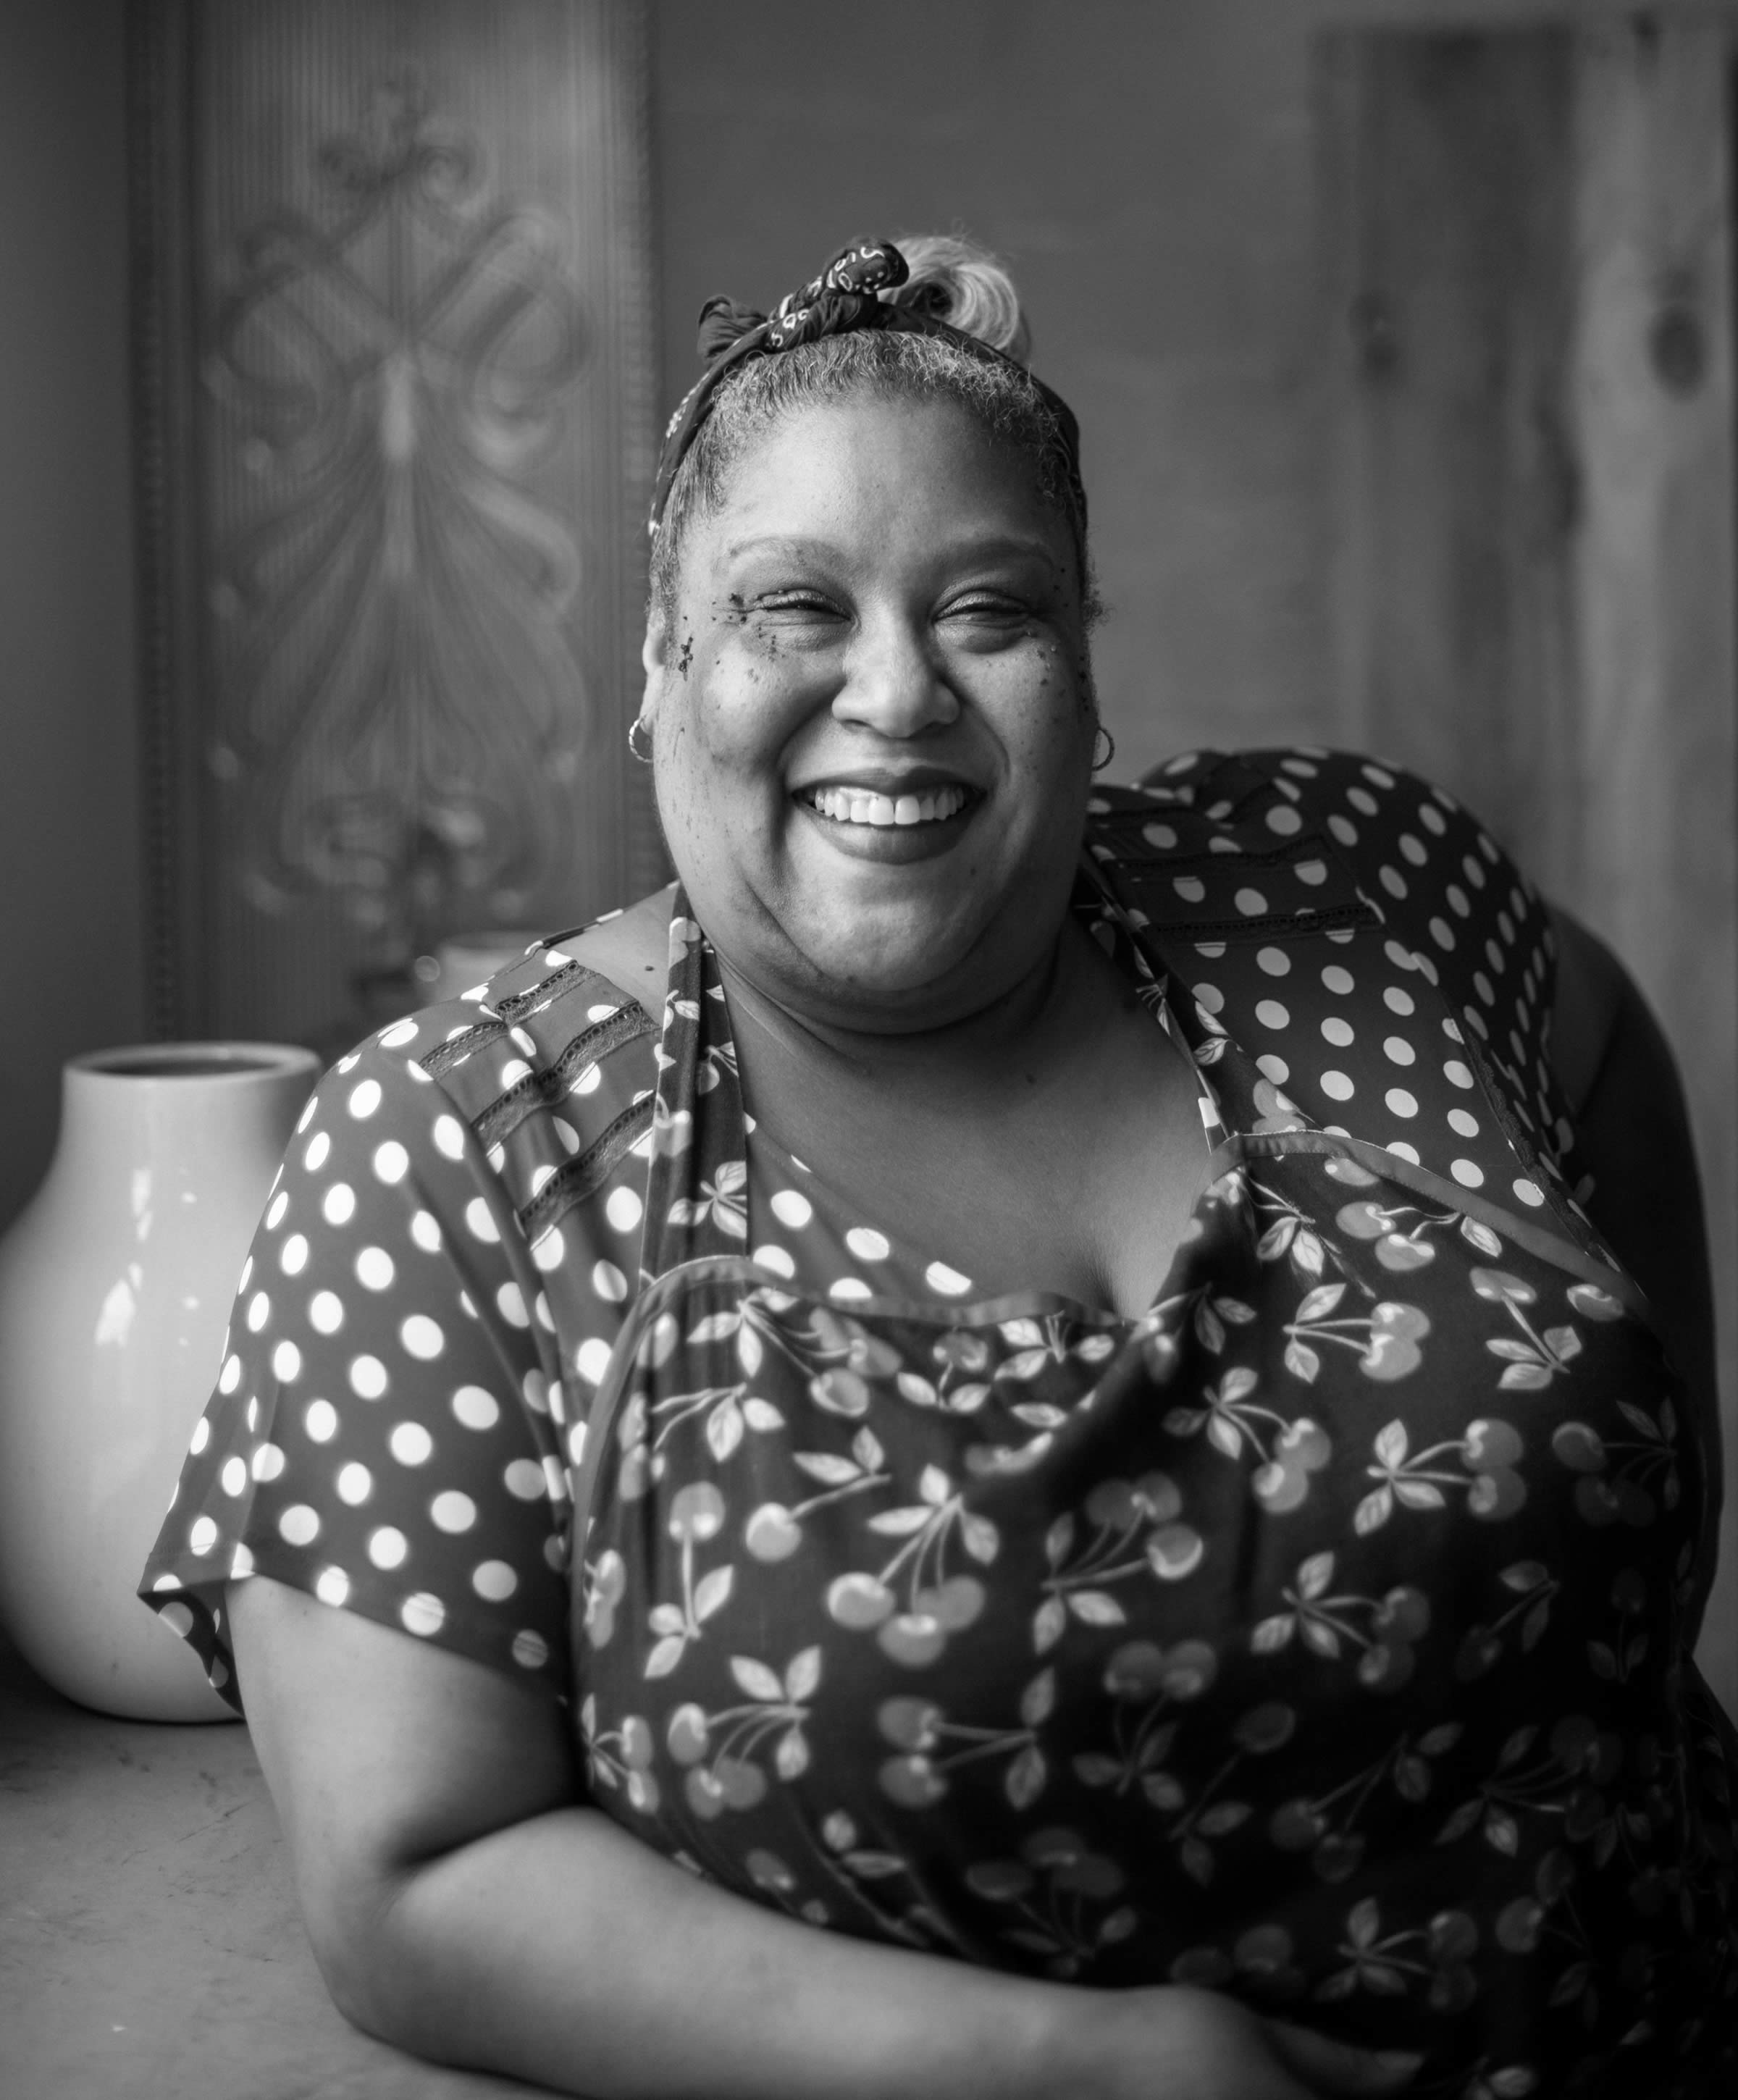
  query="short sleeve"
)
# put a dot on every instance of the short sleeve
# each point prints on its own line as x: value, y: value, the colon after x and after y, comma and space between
x: 380, y: 1434
x: 1466, y: 914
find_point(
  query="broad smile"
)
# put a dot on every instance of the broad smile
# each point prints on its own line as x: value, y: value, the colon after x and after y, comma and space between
x: 891, y: 820
x: 862, y: 805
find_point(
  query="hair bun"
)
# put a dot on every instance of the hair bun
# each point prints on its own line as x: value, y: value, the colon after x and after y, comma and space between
x: 956, y: 281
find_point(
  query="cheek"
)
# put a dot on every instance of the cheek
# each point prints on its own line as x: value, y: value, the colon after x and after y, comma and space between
x: 744, y: 699
x: 720, y: 773
x: 1050, y: 723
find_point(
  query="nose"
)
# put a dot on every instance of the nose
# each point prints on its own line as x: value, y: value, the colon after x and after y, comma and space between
x: 894, y: 682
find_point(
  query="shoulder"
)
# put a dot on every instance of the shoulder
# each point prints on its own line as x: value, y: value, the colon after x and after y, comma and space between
x: 1376, y: 812
x: 1398, y: 856
x: 1370, y: 808
x: 1438, y: 879
x: 1431, y: 871
x: 630, y: 948
x: 562, y: 1034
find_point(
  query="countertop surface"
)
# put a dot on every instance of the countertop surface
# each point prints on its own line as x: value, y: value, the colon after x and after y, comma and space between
x: 149, y: 1944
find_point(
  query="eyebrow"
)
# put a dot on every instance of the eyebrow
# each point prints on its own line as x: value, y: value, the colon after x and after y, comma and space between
x: 997, y: 545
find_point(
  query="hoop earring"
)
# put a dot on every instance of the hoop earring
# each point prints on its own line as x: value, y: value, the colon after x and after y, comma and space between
x: 634, y: 727
x: 1110, y: 747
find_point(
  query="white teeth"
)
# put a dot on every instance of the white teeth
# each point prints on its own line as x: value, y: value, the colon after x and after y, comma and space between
x: 854, y: 806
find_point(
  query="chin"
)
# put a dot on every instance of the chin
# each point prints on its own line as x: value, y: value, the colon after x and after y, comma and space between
x: 861, y: 961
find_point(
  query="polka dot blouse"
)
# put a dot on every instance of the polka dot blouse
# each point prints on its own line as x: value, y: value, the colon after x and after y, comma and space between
x: 454, y: 1237
x: 1320, y: 1636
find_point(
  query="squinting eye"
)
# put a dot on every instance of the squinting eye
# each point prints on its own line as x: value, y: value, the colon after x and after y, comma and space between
x: 794, y: 601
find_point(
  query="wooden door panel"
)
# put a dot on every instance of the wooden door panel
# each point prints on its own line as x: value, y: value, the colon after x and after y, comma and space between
x: 393, y: 277
x: 1526, y: 263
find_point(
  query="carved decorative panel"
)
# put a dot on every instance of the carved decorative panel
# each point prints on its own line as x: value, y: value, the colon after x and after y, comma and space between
x: 396, y: 432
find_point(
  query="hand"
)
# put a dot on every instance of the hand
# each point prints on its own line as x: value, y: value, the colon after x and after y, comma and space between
x: 1177, y: 2043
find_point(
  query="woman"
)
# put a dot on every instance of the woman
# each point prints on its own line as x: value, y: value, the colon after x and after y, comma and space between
x: 1084, y: 1422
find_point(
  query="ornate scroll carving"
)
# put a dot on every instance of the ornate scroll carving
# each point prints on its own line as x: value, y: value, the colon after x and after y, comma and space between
x: 401, y: 694
x: 395, y: 433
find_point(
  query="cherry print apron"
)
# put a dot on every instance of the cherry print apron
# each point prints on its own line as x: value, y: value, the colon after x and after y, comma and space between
x: 1288, y: 1640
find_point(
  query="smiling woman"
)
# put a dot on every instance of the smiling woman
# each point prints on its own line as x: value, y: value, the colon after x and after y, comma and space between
x: 861, y: 627
x: 889, y: 608
x: 1044, y: 1388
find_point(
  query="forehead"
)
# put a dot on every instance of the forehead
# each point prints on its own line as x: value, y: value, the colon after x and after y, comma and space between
x: 878, y: 472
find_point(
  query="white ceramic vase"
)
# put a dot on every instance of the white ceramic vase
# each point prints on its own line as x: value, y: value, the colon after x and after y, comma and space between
x: 115, y: 1289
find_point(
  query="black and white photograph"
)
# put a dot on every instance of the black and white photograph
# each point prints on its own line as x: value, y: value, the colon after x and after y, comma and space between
x: 869, y: 1070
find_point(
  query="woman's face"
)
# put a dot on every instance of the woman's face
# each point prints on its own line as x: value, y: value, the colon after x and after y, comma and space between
x: 869, y: 718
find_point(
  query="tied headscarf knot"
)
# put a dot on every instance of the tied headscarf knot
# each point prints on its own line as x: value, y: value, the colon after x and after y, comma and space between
x: 724, y: 323
x: 845, y: 298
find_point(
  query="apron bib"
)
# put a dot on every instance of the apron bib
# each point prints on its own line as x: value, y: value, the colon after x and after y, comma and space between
x: 1290, y: 1640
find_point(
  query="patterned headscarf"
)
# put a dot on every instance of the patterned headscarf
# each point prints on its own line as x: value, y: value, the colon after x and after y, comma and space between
x: 845, y: 298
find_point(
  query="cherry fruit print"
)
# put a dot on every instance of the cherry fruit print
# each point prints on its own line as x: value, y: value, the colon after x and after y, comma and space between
x: 1058, y: 1893
x: 1624, y: 1479
x: 621, y: 1757
x: 1533, y: 1357
x: 775, y: 1530
x: 934, y: 1748
x: 696, y: 1517
x: 1488, y: 1452
x: 1358, y: 1565
x: 1381, y: 1632
x: 911, y: 1602
x: 1524, y: 1616
x: 1328, y: 1825
x: 720, y: 1749
x: 1125, y: 1531
x: 1386, y: 1340
x: 606, y: 1584
x: 1287, y: 1451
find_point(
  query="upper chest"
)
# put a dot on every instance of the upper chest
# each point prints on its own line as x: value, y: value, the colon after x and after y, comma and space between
x: 1392, y: 986
x: 1074, y: 1171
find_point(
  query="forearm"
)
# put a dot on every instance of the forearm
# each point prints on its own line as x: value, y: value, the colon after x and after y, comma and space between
x: 562, y: 1951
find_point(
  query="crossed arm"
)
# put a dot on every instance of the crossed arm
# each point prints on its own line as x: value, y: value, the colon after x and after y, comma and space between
x: 464, y: 1905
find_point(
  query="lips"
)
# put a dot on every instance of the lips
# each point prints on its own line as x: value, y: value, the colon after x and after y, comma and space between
x: 909, y: 815
x: 850, y: 805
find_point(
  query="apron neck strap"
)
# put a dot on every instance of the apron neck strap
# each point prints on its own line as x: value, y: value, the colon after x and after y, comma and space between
x: 697, y: 1191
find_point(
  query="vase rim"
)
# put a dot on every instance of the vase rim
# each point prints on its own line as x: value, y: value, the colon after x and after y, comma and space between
x: 230, y: 1062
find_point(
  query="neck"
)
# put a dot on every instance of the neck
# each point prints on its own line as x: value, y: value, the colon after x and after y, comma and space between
x: 998, y: 1042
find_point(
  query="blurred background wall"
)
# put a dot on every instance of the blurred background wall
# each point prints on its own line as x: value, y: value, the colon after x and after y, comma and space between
x: 1147, y: 165
x: 1151, y: 169
x: 70, y: 930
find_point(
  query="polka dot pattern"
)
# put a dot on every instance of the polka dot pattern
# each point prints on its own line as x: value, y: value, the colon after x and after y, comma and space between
x: 432, y: 1304
x: 364, y: 1443
x: 1448, y: 940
